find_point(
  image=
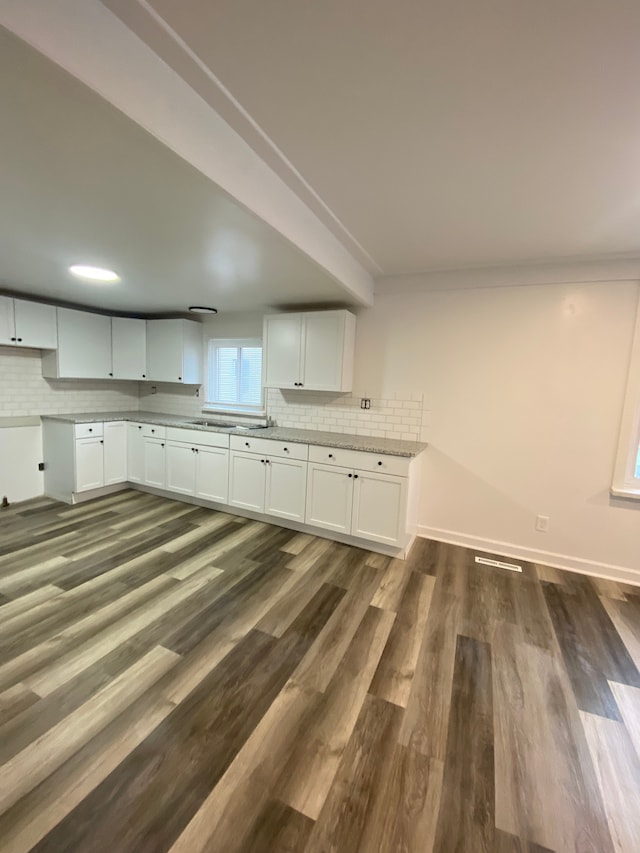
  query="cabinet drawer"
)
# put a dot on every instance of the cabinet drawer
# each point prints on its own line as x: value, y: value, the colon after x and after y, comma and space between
x: 88, y: 430
x: 380, y: 462
x: 154, y: 431
x: 270, y: 447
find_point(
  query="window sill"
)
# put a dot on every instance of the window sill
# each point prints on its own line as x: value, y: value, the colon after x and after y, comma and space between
x: 625, y: 492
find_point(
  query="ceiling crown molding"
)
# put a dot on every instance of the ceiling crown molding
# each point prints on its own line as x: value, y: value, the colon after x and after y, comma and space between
x: 565, y: 271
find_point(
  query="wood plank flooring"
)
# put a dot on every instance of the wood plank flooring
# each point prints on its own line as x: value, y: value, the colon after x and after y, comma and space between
x: 178, y: 679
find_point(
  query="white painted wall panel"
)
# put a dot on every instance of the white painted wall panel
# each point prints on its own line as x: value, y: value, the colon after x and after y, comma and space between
x: 20, y: 453
x: 523, y: 391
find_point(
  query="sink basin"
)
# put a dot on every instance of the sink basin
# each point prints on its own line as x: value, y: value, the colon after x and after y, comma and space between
x: 224, y: 424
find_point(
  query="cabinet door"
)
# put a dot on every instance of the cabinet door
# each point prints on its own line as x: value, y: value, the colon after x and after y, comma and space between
x: 129, y: 348
x: 323, y: 348
x: 286, y: 488
x: 36, y: 325
x: 329, y: 497
x: 115, y: 452
x: 212, y: 474
x: 246, y: 480
x: 282, y: 349
x: 379, y: 507
x: 84, y: 345
x: 135, y: 453
x: 154, y: 467
x: 181, y: 468
x: 89, y: 464
x: 7, y: 325
x: 164, y: 350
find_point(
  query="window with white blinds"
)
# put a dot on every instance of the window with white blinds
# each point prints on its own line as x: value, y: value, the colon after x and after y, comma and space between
x: 235, y: 375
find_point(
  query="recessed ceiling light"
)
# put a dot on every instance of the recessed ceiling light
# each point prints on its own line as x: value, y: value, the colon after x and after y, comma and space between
x: 201, y: 309
x: 94, y: 273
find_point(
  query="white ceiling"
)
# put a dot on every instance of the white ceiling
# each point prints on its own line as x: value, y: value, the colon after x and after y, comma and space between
x: 441, y: 133
x: 82, y: 183
x: 422, y: 134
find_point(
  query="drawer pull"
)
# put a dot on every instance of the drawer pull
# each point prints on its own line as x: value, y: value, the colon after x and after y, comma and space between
x: 331, y: 456
x: 349, y: 475
x: 90, y: 429
x: 379, y: 463
x: 355, y: 476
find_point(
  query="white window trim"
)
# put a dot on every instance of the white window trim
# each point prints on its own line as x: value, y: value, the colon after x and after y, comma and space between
x: 625, y: 483
x: 212, y: 408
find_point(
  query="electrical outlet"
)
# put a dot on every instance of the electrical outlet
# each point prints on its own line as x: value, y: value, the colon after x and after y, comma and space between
x: 365, y: 403
x: 197, y: 392
x: 542, y: 523
x: 40, y: 466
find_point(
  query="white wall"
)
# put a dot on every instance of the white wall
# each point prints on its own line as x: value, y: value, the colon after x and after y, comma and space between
x: 523, y: 390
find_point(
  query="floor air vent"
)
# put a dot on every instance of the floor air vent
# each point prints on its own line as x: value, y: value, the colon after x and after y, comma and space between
x: 498, y: 565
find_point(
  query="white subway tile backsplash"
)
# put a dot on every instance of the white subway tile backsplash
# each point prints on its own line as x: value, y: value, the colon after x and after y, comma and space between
x: 394, y: 416
x: 24, y: 391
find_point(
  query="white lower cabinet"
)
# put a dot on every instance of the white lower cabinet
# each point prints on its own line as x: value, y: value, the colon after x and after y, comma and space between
x: 329, y: 497
x: 212, y: 474
x: 135, y: 453
x: 268, y: 484
x: 351, y: 493
x: 181, y: 468
x: 357, y: 502
x: 285, y: 488
x: 153, y: 455
x: 89, y: 463
x: 115, y: 452
x: 247, y: 477
x: 100, y: 455
x: 197, y: 470
x: 379, y: 507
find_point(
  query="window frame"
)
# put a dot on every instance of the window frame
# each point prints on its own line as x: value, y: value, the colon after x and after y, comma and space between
x: 625, y: 482
x: 239, y: 408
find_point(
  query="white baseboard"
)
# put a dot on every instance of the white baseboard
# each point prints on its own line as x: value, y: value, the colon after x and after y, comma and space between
x: 531, y: 555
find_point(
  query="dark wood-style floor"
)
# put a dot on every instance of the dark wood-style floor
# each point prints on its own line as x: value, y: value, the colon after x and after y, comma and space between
x: 172, y: 678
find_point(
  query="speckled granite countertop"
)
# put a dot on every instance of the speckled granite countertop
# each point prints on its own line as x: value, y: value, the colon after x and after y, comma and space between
x: 389, y: 446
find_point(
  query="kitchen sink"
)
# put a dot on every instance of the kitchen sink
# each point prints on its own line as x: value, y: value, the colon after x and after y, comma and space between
x: 225, y: 425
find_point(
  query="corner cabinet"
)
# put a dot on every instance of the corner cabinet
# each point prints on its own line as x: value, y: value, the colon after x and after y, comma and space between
x: 309, y: 350
x: 128, y: 348
x: 174, y: 351
x: 84, y: 347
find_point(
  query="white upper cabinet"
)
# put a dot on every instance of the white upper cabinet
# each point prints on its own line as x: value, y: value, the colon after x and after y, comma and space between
x: 27, y: 324
x: 174, y: 351
x: 309, y: 350
x: 129, y: 348
x: 282, y: 358
x: 84, y: 347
